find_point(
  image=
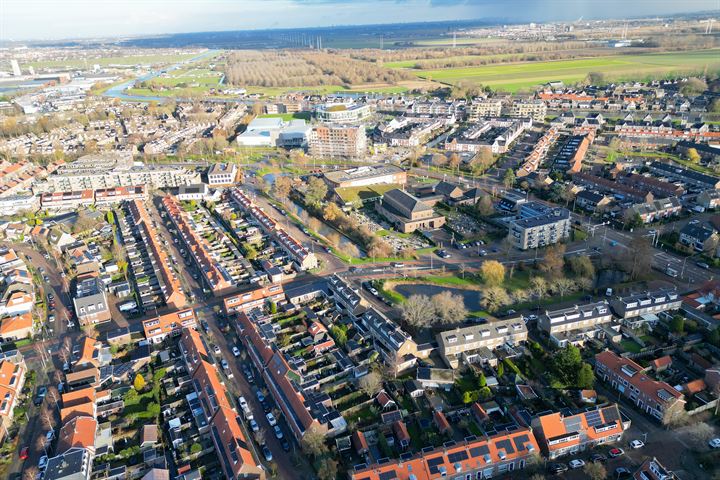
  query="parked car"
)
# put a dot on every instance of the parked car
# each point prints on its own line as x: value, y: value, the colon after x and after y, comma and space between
x: 635, y: 444
x: 598, y: 458
x: 278, y: 432
x: 714, y: 443
x: 622, y: 472
x: 254, y: 426
x: 285, y: 444
x: 616, y: 452
x: 50, y: 435
x: 236, y: 351
x: 40, y: 395
x: 260, y: 396
x: 556, y: 468
x: 271, y: 419
x: 703, y: 265
x: 43, y: 462
x: 576, y: 463
x: 266, y: 453
x: 242, y: 402
x: 24, y: 453
x: 205, y: 326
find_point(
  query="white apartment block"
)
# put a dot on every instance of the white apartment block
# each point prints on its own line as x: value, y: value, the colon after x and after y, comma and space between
x: 535, y: 109
x: 485, y: 107
x: 338, y: 141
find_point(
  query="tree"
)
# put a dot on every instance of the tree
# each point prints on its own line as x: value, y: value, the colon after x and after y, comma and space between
x: 585, y: 377
x: 316, y: 191
x: 509, y: 178
x: 563, y: 286
x: 581, y: 266
x: 327, y: 469
x: 484, y: 206
x: 449, y: 307
x: 139, y: 382
x: 493, y: 298
x: 700, y: 434
x: 501, y: 370
x: 554, y: 260
x: 195, y: 448
x: 632, y: 219
x: 636, y: 260
x: 693, y: 86
x: 677, y: 324
x: 370, y: 384
x: 418, y: 310
x: 281, y: 188
x: 332, y: 212
x: 313, y: 443
x: 595, y: 78
x: 693, y: 155
x: 538, y: 287
x: 454, y: 161
x: 339, y: 334
x: 595, y: 471
x: 492, y: 272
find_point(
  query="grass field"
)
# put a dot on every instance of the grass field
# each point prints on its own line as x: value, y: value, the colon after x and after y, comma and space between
x: 517, y: 76
x: 327, y: 89
x: 352, y: 194
x: 288, y: 116
x: 126, y: 60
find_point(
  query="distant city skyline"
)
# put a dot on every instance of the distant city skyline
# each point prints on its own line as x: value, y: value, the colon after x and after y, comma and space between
x: 66, y: 19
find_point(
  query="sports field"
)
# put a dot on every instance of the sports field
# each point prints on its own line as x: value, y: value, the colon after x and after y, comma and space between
x: 517, y: 76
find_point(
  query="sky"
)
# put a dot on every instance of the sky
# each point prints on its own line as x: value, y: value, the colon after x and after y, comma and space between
x: 61, y: 19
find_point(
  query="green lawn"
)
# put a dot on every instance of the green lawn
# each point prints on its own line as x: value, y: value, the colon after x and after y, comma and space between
x: 288, y: 116
x: 353, y: 194
x: 630, y: 346
x: 326, y: 89
x: 517, y: 76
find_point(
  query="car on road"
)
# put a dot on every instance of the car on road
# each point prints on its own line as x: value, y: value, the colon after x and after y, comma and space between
x: 205, y: 326
x: 46, y: 279
x: 557, y: 468
x: 242, y: 402
x: 278, y: 432
x: 51, y: 318
x: 236, y: 351
x: 714, y: 443
x: 443, y: 254
x: 24, y: 453
x: 260, y: 396
x: 374, y: 291
x: 576, y: 463
x: 40, y: 395
x: 266, y: 453
x: 616, y: 452
x: 635, y: 444
x: 254, y: 425
x: 598, y: 458
x: 43, y: 462
x: 285, y: 444
x: 482, y: 253
x: 271, y: 419
x: 216, y: 350
x: 703, y: 265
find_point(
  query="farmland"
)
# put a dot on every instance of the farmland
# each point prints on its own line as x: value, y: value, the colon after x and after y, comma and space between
x: 519, y: 76
x: 128, y: 60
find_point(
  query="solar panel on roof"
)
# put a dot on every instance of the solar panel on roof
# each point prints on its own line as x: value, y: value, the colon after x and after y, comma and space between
x: 449, y: 444
x: 572, y: 424
x: 434, y: 463
x: 593, y: 418
x: 388, y: 475
x: 360, y: 466
x: 383, y: 460
x: 471, y: 438
x: 428, y: 449
x: 610, y: 414
x: 506, y: 445
x: 406, y: 456
x: 458, y: 456
x: 521, y: 441
x: 479, y: 451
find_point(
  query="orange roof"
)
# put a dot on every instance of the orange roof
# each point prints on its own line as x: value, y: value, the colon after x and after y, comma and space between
x: 78, y: 432
x: 589, y: 426
x: 661, y: 362
x: 475, y: 455
x: 401, y: 431
x: 441, y: 421
x: 11, y: 376
x: 170, y: 322
x: 695, y: 386
x: 87, y: 351
x: 237, y: 459
x: 250, y: 299
x: 10, y: 325
x: 210, y: 388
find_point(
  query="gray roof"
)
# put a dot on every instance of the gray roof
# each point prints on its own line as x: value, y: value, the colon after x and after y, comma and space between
x: 405, y: 201
x: 68, y: 466
x: 473, y: 333
x: 698, y: 231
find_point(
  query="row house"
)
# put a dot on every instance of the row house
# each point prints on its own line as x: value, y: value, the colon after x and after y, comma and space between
x: 657, y: 209
x: 252, y: 299
x: 578, y: 323
x: 474, y: 344
x: 171, y: 324
x: 644, y: 307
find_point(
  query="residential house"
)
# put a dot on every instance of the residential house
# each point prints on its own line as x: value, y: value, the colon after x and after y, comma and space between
x: 656, y: 398
x: 157, y: 329
x: 12, y: 380
x: 560, y: 435
x: 402, y: 436
x: 640, y: 308
x: 17, y: 327
x: 256, y: 298
x: 475, y: 343
x: 74, y: 464
x: 396, y: 347
x: 78, y: 432
x: 652, y: 469
x: 592, y: 201
x: 573, y: 325
x: 709, y: 199
x: 702, y: 237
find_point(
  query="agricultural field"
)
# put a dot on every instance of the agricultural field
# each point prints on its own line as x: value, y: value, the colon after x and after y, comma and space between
x: 518, y: 76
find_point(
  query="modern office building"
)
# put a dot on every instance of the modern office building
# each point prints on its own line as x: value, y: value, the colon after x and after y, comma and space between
x: 342, y: 112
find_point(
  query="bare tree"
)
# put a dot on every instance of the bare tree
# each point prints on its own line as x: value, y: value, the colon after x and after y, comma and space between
x: 538, y: 287
x: 449, y: 308
x: 370, y: 384
x: 418, y: 310
x: 313, y: 443
x: 563, y: 286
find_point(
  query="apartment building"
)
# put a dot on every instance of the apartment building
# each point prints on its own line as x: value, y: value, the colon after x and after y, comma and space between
x: 12, y: 380
x: 220, y: 174
x: 407, y: 213
x: 644, y: 307
x: 560, y: 435
x: 330, y: 141
x: 347, y: 298
x: 112, y: 196
x: 496, y: 133
x: 539, y: 226
x: 578, y: 323
x: 74, y: 464
x: 256, y: 298
x: 535, y: 109
x: 656, y: 398
x: 472, y: 458
x: 702, y: 237
x: 170, y: 324
x: 410, y: 131
x: 396, y: 347
x: 475, y: 343
x: 483, y: 107
x: 342, y: 112
x: 67, y: 200
x: 90, y: 301
x: 366, y: 175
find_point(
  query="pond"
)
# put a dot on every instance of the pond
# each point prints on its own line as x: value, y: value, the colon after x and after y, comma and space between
x: 471, y: 298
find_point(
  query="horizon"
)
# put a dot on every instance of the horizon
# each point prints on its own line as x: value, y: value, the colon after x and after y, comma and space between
x: 77, y: 20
